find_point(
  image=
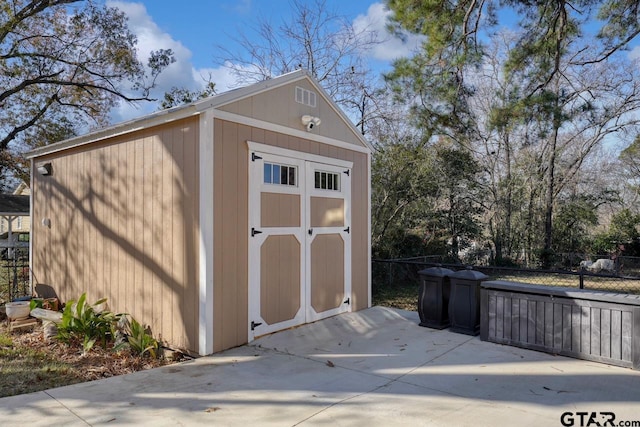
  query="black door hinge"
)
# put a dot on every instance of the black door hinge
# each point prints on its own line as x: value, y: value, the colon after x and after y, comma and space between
x: 310, y: 231
x: 255, y: 157
x: 348, y: 230
x: 347, y: 301
x: 254, y: 325
x: 347, y: 172
x: 254, y: 232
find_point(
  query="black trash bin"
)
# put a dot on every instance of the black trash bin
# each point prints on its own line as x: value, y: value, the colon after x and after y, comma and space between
x: 464, y: 303
x: 433, y: 297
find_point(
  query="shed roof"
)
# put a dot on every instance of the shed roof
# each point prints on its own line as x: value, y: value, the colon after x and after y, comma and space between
x: 194, y: 108
x: 13, y: 205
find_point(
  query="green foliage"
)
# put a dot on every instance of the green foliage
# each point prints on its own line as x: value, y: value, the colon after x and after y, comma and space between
x: 179, y: 96
x: 35, y: 303
x: 424, y: 199
x: 453, y: 30
x: 458, y: 211
x: 573, y: 223
x: 66, y: 62
x: 623, y: 232
x: 630, y: 162
x: 138, y: 338
x: 87, y: 323
x: 402, y: 185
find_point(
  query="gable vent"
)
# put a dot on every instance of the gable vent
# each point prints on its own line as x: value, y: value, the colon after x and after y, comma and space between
x: 306, y: 97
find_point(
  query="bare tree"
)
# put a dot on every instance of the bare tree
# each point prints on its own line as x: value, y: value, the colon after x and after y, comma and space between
x: 316, y: 39
x: 535, y: 151
x: 64, y: 63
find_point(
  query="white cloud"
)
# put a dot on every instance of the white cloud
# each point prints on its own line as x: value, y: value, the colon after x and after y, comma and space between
x: 179, y: 74
x: 390, y: 47
x: 222, y: 76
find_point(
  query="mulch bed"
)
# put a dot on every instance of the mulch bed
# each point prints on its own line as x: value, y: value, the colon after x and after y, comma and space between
x: 32, y: 363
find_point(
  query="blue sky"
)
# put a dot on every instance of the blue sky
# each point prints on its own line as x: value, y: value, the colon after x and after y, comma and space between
x: 193, y: 31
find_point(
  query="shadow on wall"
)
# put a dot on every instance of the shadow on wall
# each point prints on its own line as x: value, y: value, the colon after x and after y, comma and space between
x: 123, y: 221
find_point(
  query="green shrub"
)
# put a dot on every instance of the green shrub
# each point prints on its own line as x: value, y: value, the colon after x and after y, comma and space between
x: 138, y: 338
x: 85, y: 322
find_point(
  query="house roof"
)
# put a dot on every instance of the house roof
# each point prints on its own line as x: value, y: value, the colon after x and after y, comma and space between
x: 12, y: 205
x: 194, y: 108
x: 21, y: 188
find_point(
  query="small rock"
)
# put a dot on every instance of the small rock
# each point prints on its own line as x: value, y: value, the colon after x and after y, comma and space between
x: 50, y: 330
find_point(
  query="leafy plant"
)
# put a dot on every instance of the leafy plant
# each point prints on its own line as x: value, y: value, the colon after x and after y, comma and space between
x: 138, y: 338
x: 88, y: 323
x: 36, y: 303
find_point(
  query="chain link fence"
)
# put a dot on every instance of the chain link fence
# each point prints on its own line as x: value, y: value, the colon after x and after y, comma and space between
x: 625, y: 277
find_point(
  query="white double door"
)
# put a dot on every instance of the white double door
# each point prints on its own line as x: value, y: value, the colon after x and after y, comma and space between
x: 299, y: 239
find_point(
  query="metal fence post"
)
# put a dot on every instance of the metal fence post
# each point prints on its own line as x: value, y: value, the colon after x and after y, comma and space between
x: 581, y: 276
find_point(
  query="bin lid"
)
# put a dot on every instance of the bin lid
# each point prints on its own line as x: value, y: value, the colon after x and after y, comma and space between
x: 435, y: 272
x: 469, y: 274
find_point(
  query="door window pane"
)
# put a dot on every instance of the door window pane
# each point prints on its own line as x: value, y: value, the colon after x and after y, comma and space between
x: 276, y: 174
x: 280, y: 174
x: 292, y: 176
x: 267, y: 173
x: 327, y: 181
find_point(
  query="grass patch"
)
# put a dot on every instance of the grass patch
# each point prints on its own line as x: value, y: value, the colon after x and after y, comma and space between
x: 403, y: 296
x: 26, y: 370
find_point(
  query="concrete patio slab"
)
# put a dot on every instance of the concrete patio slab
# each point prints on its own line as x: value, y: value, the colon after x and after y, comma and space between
x: 374, y: 367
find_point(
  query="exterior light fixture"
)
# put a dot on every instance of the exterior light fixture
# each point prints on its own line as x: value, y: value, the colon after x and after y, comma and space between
x: 44, y: 168
x: 310, y: 122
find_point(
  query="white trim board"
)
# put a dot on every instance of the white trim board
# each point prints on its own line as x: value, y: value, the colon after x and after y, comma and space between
x: 284, y: 152
x: 237, y: 118
x: 155, y: 119
x: 369, y: 272
x: 206, y: 238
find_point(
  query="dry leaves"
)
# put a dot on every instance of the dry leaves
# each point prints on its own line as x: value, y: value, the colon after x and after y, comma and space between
x: 97, y: 363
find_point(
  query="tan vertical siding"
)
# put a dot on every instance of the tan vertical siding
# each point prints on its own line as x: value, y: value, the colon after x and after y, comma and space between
x: 327, y: 212
x: 124, y: 216
x: 327, y: 267
x: 231, y: 227
x: 278, y: 106
x: 230, y: 235
x: 279, y: 210
x: 280, y: 278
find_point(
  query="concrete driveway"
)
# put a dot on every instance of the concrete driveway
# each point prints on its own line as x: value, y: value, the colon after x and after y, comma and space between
x: 376, y: 367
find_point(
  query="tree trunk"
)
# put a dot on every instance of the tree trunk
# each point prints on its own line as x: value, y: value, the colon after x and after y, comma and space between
x: 549, y: 197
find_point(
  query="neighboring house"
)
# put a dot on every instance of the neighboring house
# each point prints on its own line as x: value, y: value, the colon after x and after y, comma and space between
x: 215, y: 222
x: 20, y: 224
x: 14, y: 220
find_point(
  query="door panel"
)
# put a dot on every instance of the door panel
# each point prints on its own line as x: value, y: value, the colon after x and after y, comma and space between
x: 328, y: 216
x: 327, y: 272
x: 280, y: 279
x: 327, y: 212
x: 276, y: 244
x: 299, y: 244
x: 279, y: 210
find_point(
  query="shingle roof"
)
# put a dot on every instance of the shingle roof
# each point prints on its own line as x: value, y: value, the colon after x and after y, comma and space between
x: 11, y: 204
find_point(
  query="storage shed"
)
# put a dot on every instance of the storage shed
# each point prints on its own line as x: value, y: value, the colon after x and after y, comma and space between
x: 215, y: 222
